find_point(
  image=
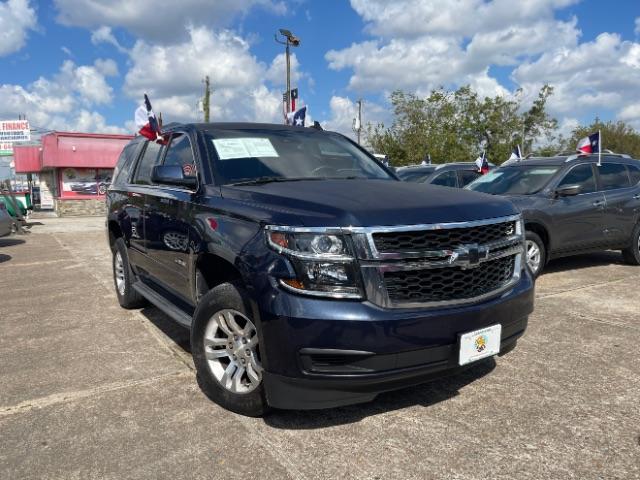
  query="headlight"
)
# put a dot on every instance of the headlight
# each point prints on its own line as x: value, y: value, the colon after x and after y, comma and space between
x: 324, y: 262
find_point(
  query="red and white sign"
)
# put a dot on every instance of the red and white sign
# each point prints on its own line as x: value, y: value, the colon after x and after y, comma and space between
x: 14, y: 131
x: 6, y: 148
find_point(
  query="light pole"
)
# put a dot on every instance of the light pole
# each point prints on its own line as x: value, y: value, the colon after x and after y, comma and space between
x: 357, y: 121
x: 290, y: 39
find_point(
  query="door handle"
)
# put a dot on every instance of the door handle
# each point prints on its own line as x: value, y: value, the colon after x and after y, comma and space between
x: 636, y: 196
x: 598, y: 203
x: 134, y: 194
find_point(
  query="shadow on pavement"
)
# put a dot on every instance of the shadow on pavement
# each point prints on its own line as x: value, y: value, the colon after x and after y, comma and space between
x: 171, y: 329
x: 10, y: 242
x: 424, y: 395
x: 598, y: 259
x: 4, y: 258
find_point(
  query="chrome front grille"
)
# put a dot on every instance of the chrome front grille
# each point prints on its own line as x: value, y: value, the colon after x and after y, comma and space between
x: 440, y: 265
x: 448, y: 283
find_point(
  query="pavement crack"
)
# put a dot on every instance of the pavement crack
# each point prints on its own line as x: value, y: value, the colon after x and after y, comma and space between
x: 68, y: 397
x: 582, y: 287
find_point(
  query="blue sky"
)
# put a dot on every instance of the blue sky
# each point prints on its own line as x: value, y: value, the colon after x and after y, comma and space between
x: 81, y: 65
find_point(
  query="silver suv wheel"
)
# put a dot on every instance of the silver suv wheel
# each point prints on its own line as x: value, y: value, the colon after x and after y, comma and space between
x: 119, y: 273
x: 534, y: 256
x: 231, y: 349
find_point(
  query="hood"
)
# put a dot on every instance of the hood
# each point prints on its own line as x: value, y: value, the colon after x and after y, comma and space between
x: 364, y: 203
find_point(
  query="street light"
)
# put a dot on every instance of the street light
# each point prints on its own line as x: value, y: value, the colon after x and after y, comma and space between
x: 290, y: 40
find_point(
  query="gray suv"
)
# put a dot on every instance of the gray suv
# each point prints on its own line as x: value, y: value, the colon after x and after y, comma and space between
x: 455, y: 175
x: 572, y: 205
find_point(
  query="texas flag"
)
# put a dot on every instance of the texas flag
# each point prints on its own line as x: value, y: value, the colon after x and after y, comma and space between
x: 146, y: 121
x: 297, y: 118
x: 590, y: 144
x: 482, y: 164
x: 516, y: 154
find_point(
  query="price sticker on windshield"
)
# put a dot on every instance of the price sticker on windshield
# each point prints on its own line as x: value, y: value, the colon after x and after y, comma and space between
x: 230, y: 148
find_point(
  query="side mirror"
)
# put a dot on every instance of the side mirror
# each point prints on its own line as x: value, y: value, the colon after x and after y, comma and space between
x: 172, y: 175
x: 568, y: 191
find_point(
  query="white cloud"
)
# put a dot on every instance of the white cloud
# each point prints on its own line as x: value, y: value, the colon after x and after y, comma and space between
x: 103, y: 34
x: 65, y: 100
x: 595, y: 77
x: 17, y: 17
x: 425, y: 44
x: 160, y: 21
x: 637, y: 29
x: 243, y: 87
x: 459, y: 18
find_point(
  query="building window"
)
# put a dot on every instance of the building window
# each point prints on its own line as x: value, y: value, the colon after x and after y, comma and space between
x: 84, y: 182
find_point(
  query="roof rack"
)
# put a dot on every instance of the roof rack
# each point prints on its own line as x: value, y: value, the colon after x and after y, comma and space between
x: 572, y: 156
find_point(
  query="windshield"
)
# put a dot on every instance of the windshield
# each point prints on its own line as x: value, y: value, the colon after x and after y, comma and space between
x: 415, y: 175
x: 519, y: 180
x: 265, y: 155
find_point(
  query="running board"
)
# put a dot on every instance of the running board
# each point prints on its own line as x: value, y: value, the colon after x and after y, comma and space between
x: 163, y: 304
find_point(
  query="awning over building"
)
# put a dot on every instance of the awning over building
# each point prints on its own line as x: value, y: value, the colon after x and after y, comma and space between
x: 67, y: 149
x: 27, y: 158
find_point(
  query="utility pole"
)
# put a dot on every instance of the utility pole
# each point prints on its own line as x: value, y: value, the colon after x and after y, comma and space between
x: 206, y: 99
x: 290, y: 40
x: 357, y: 122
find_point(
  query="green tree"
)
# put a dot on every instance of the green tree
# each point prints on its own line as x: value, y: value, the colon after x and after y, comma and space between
x: 456, y: 126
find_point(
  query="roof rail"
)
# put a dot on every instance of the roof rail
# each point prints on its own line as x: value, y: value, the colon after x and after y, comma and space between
x: 576, y: 155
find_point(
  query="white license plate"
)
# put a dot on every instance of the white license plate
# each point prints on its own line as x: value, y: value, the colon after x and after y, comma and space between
x: 479, y: 344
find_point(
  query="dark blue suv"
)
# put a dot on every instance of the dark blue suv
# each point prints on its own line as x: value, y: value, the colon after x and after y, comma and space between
x: 309, y: 275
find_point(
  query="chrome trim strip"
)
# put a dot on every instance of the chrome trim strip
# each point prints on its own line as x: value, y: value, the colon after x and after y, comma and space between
x: 396, y: 228
x: 461, y: 261
x: 317, y: 293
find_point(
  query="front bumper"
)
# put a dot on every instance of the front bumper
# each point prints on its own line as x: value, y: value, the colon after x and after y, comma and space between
x: 325, y: 353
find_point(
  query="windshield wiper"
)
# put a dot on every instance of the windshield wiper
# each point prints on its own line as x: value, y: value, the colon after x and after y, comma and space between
x: 263, y: 180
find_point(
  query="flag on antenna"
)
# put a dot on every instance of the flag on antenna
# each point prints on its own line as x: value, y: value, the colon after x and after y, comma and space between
x: 297, y: 118
x: 590, y: 144
x: 146, y: 121
x: 516, y: 154
x: 482, y: 163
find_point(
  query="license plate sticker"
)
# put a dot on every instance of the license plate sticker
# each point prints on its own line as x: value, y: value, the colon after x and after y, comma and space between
x: 479, y: 344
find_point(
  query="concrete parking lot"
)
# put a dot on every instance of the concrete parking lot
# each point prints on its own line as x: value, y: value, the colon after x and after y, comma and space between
x: 89, y: 390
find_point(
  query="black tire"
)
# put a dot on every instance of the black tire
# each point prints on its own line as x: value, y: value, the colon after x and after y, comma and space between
x: 532, y: 237
x: 127, y: 296
x: 631, y: 254
x: 228, y: 296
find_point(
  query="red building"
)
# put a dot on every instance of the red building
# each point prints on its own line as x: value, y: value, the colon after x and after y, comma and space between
x: 74, y: 169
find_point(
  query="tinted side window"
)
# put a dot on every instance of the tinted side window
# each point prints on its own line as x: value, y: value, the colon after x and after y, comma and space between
x: 467, y: 176
x: 613, y: 175
x: 581, y: 175
x: 125, y: 162
x: 446, y: 179
x: 146, y: 163
x: 634, y: 173
x: 179, y: 153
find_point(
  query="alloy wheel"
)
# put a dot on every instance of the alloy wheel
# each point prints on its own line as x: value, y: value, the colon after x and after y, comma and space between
x: 534, y: 256
x: 119, y: 273
x: 231, y: 349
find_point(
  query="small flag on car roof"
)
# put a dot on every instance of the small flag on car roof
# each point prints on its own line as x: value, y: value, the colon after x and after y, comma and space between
x: 591, y: 144
x: 146, y: 121
x: 516, y: 154
x: 297, y: 118
x: 482, y: 163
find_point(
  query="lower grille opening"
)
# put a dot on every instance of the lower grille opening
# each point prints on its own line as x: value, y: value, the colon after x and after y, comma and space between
x: 449, y: 283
